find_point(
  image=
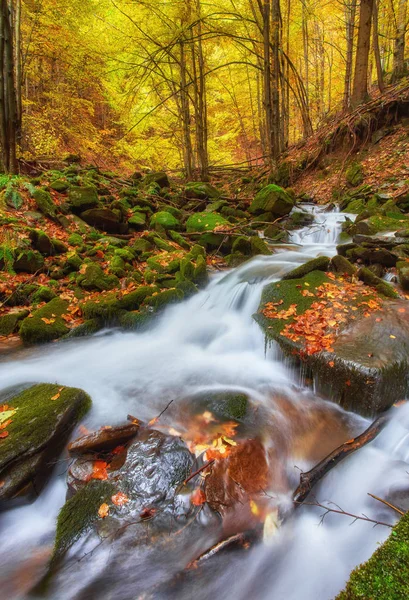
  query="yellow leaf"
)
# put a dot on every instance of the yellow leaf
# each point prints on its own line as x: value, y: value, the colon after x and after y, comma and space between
x: 103, y: 510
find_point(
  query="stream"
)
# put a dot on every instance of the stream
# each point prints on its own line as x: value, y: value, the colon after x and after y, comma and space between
x: 211, y: 342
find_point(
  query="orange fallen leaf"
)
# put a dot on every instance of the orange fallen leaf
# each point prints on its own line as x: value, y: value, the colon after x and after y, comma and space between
x: 3, y: 434
x: 120, y: 499
x: 99, y: 470
x: 56, y: 396
x: 103, y: 510
x: 198, y: 497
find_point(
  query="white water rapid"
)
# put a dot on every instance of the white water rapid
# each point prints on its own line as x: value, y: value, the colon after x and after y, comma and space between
x: 211, y: 342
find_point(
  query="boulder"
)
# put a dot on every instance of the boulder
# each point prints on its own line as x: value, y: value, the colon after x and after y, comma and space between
x: 354, y: 175
x: 10, y: 321
x: 44, y: 417
x: 160, y: 178
x: 28, y: 261
x: 201, y: 191
x: 46, y: 324
x: 204, y: 221
x: 105, y: 219
x: 45, y: 203
x: 94, y: 278
x: 137, y: 221
x: 59, y: 185
x: 82, y: 198
x: 364, y: 365
x: 321, y: 263
x: 272, y: 199
x: 46, y: 245
x: 164, y: 219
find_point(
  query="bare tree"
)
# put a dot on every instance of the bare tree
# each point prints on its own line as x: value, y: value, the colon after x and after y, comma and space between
x: 398, y: 70
x: 360, y: 86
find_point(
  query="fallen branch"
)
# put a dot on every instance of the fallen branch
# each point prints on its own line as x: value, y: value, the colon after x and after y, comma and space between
x: 339, y: 511
x: 205, y: 466
x: 309, y: 479
x: 395, y: 508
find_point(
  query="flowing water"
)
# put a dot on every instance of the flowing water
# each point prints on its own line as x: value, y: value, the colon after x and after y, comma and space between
x: 210, y: 342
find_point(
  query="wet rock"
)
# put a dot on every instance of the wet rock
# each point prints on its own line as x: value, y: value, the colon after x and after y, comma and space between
x: 272, y: 199
x: 403, y: 274
x: 370, y: 255
x: 367, y: 368
x: 156, y: 466
x: 316, y: 264
x: 45, y: 417
x: 46, y: 323
x: 83, y: 198
x: 225, y: 405
x: 105, y: 439
x: 105, y: 219
x: 382, y: 286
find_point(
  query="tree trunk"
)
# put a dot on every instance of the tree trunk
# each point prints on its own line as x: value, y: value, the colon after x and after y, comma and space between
x: 18, y: 64
x: 185, y: 114
x: 350, y: 10
x: 275, y: 80
x: 9, y: 105
x: 268, y: 108
x: 399, y: 50
x: 360, y: 87
x: 375, y: 43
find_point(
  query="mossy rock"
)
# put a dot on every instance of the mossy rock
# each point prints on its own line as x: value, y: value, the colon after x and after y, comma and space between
x: 44, y: 418
x: 46, y: 245
x: 200, y: 274
x: 187, y: 269
x: 137, y: 221
x: 75, y: 239
x: 90, y: 327
x: 272, y: 199
x: 105, y: 309
x: 163, y: 299
x: 73, y: 262
x: 226, y: 405
x: 403, y: 274
x: 159, y: 178
x: 164, y: 219
x: 105, y: 219
x: 259, y: 246
x: 79, y: 514
x: 242, y: 245
x: 12, y: 196
x: 45, y: 203
x: 135, y: 299
x: 83, y: 198
x: 43, y: 294
x: 117, y: 266
x: 201, y: 191
x: 94, y: 278
x: 321, y: 263
x: 135, y: 321
x: 382, y: 286
x: 28, y: 261
x: 179, y: 239
x: 142, y: 245
x: 9, y: 322
x: 162, y: 245
x: 385, y: 576
x: 125, y: 253
x: 355, y: 207
x: 59, y: 185
x: 46, y: 323
x: 354, y: 175
x: 341, y: 265
x: 203, y: 221
x: 187, y: 287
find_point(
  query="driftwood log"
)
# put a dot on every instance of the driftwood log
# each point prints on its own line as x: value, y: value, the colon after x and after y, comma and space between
x: 310, y: 478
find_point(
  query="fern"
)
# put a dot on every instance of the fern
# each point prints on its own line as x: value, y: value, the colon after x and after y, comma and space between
x: 12, y: 196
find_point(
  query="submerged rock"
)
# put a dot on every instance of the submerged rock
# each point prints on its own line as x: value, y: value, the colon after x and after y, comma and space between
x: 44, y: 418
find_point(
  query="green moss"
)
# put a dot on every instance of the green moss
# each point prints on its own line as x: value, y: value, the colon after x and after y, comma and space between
x: 164, y: 219
x: 272, y: 199
x: 200, y: 274
x: 134, y: 321
x: 385, y: 576
x: 201, y: 190
x: 204, y: 221
x: 179, y: 239
x: 187, y: 268
x: 137, y: 221
x: 162, y: 299
x: 133, y: 300
x: 39, y: 408
x: 88, y: 328
x: 34, y: 330
x: 95, y: 279
x: 43, y: 294
x: 73, y: 262
x: 341, y: 265
x: 117, y: 266
x: 242, y: 244
x: 79, y: 514
x: 75, y: 240
x: 381, y: 286
x: 355, y: 207
x: 28, y: 261
x: 159, y: 178
x: 187, y: 287
x: 321, y: 263
x: 9, y: 322
x: 259, y: 246
x: 45, y: 203
x: 83, y: 198
x: 354, y: 175
x: 104, y: 309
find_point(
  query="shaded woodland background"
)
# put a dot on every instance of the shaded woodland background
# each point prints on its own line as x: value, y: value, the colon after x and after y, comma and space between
x: 187, y: 84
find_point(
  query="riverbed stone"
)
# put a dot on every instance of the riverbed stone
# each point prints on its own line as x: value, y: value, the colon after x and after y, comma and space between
x: 367, y: 368
x: 321, y: 263
x: 44, y: 418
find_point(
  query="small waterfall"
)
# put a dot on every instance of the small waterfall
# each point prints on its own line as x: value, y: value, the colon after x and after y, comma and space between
x: 211, y: 342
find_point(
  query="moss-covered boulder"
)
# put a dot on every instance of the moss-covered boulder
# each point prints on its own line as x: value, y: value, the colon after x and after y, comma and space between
x: 94, y: 278
x: 75, y: 239
x: 381, y: 286
x: 162, y: 299
x: 59, y: 185
x: 378, y: 223
x: 203, y: 221
x: 43, y: 294
x: 159, y: 178
x: 385, y: 576
x: 357, y: 353
x: 403, y: 274
x: 28, y: 261
x: 9, y: 322
x: 105, y: 219
x: 46, y: 324
x: 45, y: 203
x: 272, y: 199
x: 354, y: 175
x: 137, y: 221
x: 164, y: 219
x: 82, y: 198
x: 341, y: 265
x: 225, y: 405
x: 42, y: 418
x: 201, y: 191
x: 46, y: 245
x: 321, y: 263
x: 133, y: 300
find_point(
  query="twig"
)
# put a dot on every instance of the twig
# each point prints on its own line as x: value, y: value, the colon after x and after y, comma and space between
x: 205, y: 466
x: 400, y: 512
x: 340, y: 511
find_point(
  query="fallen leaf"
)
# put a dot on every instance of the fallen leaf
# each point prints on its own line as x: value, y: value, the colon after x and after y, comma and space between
x: 99, y: 470
x: 56, y: 396
x: 120, y: 499
x: 103, y: 511
x: 198, y: 497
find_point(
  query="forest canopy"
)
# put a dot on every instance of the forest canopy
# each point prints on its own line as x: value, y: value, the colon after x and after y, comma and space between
x: 183, y: 84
